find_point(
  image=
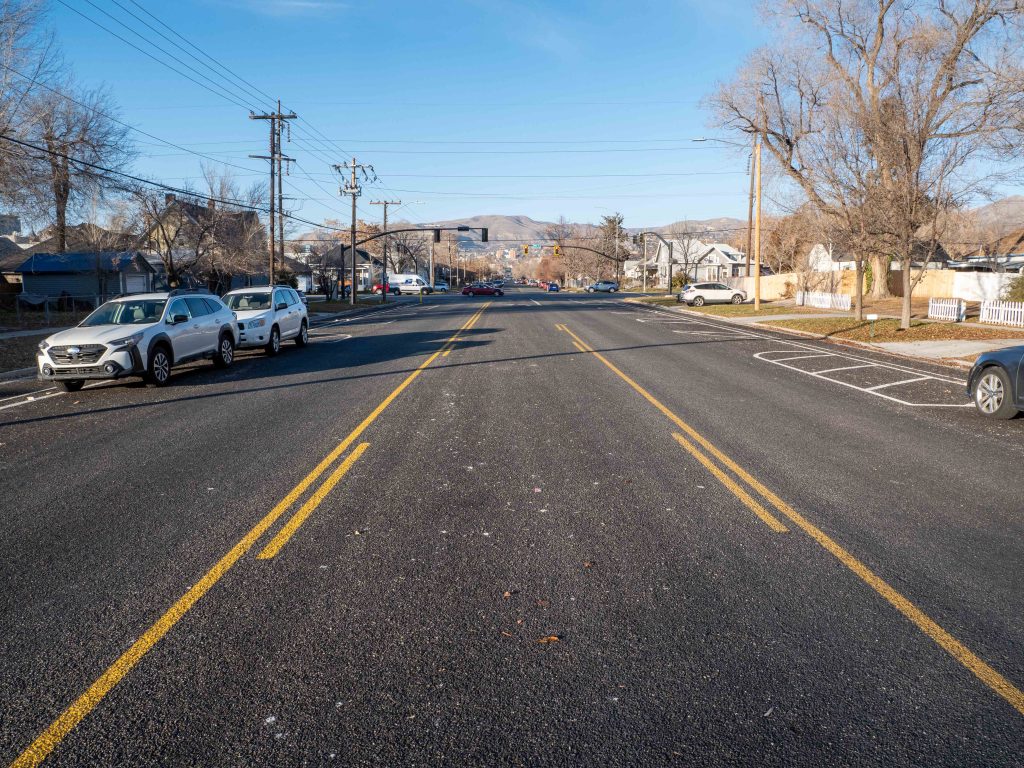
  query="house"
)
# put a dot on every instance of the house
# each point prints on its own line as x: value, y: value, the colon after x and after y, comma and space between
x: 828, y: 258
x: 88, y: 278
x: 685, y: 254
x: 718, y: 261
x: 83, y: 238
x: 337, y: 262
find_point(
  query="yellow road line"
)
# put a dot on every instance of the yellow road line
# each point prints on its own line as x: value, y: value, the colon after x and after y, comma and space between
x: 47, y: 741
x: 915, y: 615
x: 752, y: 504
x: 289, y: 528
x: 579, y: 347
x: 446, y: 353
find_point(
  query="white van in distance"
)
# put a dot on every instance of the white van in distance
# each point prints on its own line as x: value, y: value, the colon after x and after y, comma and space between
x: 403, y: 282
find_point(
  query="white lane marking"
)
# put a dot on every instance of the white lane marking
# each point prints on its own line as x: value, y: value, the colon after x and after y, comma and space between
x: 897, y: 383
x: 868, y: 390
x: 699, y: 333
x: 30, y: 401
x: 25, y: 394
x: 802, y: 345
x: 535, y: 302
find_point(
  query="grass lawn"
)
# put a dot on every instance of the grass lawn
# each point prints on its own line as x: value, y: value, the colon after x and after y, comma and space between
x: 889, y: 330
x: 19, y: 352
x: 747, y: 310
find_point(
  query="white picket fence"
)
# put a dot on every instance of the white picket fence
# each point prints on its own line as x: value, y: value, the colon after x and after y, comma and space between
x: 947, y: 309
x: 823, y: 300
x: 1003, y: 312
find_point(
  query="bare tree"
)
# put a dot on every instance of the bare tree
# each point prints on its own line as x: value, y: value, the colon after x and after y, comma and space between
x: 82, y: 140
x: 407, y: 249
x: 883, y: 114
x: 688, y: 251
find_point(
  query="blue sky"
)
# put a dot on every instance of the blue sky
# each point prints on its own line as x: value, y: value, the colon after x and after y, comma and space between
x: 453, y: 103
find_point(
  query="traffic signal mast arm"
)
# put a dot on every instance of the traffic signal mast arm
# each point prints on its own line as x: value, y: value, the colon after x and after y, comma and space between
x: 436, y: 230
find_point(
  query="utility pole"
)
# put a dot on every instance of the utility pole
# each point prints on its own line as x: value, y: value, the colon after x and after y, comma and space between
x: 384, y: 266
x: 750, y: 206
x: 353, y: 189
x: 644, y: 240
x: 275, y: 158
x: 757, y: 228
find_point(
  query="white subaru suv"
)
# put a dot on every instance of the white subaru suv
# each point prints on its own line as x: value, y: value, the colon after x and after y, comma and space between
x: 267, y: 315
x: 140, y: 335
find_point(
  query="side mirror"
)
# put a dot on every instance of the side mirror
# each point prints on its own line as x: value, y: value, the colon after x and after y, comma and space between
x: 179, y: 319
x: 281, y: 306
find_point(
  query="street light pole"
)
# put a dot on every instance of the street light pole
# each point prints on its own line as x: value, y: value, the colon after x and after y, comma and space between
x: 757, y: 228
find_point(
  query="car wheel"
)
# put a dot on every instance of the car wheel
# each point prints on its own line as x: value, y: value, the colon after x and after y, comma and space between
x: 612, y: 290
x: 225, y: 354
x: 71, y: 385
x: 590, y: 290
x: 697, y: 302
x: 397, y: 292
x: 737, y: 299
x: 158, y: 373
x: 993, y: 394
x: 303, y: 338
x: 274, y: 342
x: 499, y: 293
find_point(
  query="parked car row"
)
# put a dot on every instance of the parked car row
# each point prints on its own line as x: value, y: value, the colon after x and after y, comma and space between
x: 148, y: 334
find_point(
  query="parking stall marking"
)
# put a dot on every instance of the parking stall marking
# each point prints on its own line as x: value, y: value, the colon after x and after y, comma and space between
x: 987, y: 674
x: 827, y: 374
x: 82, y: 706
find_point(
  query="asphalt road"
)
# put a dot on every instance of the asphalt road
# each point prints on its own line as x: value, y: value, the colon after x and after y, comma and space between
x: 576, y: 532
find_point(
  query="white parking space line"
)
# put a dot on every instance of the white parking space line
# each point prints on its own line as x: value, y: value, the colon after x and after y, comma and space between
x: 846, y: 368
x: 804, y: 357
x: 897, y: 383
x: 873, y: 390
x: 535, y: 302
x: 29, y: 401
x: 812, y: 348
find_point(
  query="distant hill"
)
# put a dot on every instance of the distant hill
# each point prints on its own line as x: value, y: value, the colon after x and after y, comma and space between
x: 1002, y: 216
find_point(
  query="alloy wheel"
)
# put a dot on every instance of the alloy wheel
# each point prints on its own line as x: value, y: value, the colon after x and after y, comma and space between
x: 990, y: 393
x: 227, y: 351
x: 161, y: 367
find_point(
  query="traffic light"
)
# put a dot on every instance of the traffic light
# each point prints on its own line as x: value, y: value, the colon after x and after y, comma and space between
x: 437, y: 235
x: 558, y: 251
x: 483, y: 234
x: 526, y: 250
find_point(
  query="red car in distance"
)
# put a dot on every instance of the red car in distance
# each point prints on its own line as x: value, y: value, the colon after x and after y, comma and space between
x: 481, y: 289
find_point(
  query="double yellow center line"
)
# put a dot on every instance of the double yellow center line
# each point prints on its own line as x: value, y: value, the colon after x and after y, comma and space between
x: 919, y: 618
x: 48, y: 740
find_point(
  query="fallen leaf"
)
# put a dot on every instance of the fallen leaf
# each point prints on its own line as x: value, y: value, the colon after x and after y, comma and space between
x: 549, y: 639
x: 519, y: 622
x: 507, y: 634
x: 587, y: 564
x: 543, y: 603
x: 507, y: 595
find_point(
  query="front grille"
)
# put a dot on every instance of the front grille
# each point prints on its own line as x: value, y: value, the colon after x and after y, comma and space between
x: 81, y: 370
x: 86, y: 353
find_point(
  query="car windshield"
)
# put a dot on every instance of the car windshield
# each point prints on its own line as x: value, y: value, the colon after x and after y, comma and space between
x: 248, y: 300
x: 130, y: 312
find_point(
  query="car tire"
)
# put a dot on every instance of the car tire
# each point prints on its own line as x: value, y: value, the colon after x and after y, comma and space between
x: 158, y: 370
x: 612, y: 290
x: 737, y: 298
x: 274, y: 342
x: 499, y: 293
x: 993, y: 394
x: 590, y: 290
x: 225, y: 354
x: 397, y: 292
x: 698, y: 301
x: 303, y: 338
x: 71, y: 385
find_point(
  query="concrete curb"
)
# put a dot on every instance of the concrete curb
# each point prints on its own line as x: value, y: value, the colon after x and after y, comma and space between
x: 948, y: 362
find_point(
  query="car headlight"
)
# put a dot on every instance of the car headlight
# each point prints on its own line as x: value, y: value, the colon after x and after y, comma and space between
x: 127, y: 342
x: 259, y: 322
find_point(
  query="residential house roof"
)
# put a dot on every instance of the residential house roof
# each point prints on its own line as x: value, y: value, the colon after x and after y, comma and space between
x: 85, y: 238
x: 333, y: 257
x: 11, y: 255
x: 74, y: 263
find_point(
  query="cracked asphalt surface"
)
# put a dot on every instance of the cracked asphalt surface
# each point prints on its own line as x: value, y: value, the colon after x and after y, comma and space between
x: 516, y: 490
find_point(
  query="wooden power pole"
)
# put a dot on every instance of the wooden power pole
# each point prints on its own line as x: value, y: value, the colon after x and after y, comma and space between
x: 276, y: 158
x: 384, y: 265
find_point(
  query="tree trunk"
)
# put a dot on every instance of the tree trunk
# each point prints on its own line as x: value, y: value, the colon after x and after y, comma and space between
x: 907, y: 288
x: 858, y: 290
x: 880, y: 277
